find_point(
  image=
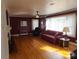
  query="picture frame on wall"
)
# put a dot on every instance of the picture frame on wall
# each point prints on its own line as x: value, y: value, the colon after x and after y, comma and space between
x: 23, y: 23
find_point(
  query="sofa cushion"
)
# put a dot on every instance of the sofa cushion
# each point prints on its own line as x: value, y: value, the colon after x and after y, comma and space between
x: 60, y: 33
x: 54, y: 33
x: 50, y: 32
x: 49, y: 36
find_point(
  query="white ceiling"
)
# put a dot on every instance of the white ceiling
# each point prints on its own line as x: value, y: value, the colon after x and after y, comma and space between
x: 29, y: 7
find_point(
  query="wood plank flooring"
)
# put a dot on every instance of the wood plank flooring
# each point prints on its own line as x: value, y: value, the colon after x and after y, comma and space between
x: 30, y: 47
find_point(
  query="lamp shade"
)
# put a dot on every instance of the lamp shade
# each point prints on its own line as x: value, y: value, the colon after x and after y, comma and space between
x: 66, y: 29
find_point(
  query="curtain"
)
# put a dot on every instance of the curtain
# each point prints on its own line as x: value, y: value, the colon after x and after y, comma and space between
x: 58, y: 23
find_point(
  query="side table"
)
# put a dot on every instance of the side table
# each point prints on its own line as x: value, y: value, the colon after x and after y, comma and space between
x: 64, y: 42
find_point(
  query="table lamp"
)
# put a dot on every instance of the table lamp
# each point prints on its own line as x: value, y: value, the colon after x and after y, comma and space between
x: 66, y: 30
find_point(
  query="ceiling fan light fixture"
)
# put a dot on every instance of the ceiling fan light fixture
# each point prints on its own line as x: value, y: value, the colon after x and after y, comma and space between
x: 37, y: 15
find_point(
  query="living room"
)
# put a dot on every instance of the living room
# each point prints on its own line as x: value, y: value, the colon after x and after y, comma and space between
x: 42, y: 29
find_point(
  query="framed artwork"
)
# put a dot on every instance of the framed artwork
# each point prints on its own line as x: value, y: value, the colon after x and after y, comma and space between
x: 23, y: 23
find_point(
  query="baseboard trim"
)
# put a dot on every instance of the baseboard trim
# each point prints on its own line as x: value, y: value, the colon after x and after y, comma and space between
x: 30, y: 33
x: 24, y: 34
x: 19, y: 34
x: 15, y: 35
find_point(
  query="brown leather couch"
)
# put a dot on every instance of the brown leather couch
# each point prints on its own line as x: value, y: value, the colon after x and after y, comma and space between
x: 52, y: 36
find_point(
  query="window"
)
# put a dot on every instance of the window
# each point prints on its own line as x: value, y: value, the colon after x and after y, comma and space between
x: 58, y: 23
x: 35, y: 23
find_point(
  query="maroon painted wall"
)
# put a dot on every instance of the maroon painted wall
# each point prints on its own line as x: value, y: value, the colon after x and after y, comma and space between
x: 16, y: 28
x: 42, y: 24
x: 14, y: 23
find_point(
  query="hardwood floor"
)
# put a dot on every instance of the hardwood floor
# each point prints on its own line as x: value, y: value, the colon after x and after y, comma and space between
x: 29, y: 47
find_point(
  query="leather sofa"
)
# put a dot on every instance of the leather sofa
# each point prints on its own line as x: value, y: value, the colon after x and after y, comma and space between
x: 52, y: 36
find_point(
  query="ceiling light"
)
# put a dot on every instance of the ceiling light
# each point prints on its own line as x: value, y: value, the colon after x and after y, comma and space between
x: 37, y: 14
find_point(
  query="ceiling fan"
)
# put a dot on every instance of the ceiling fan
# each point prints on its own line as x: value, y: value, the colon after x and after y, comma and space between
x: 37, y: 14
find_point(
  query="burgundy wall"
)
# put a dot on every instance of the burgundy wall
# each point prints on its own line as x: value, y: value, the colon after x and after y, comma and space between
x: 29, y: 22
x: 14, y: 23
x: 42, y: 24
x: 16, y: 28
